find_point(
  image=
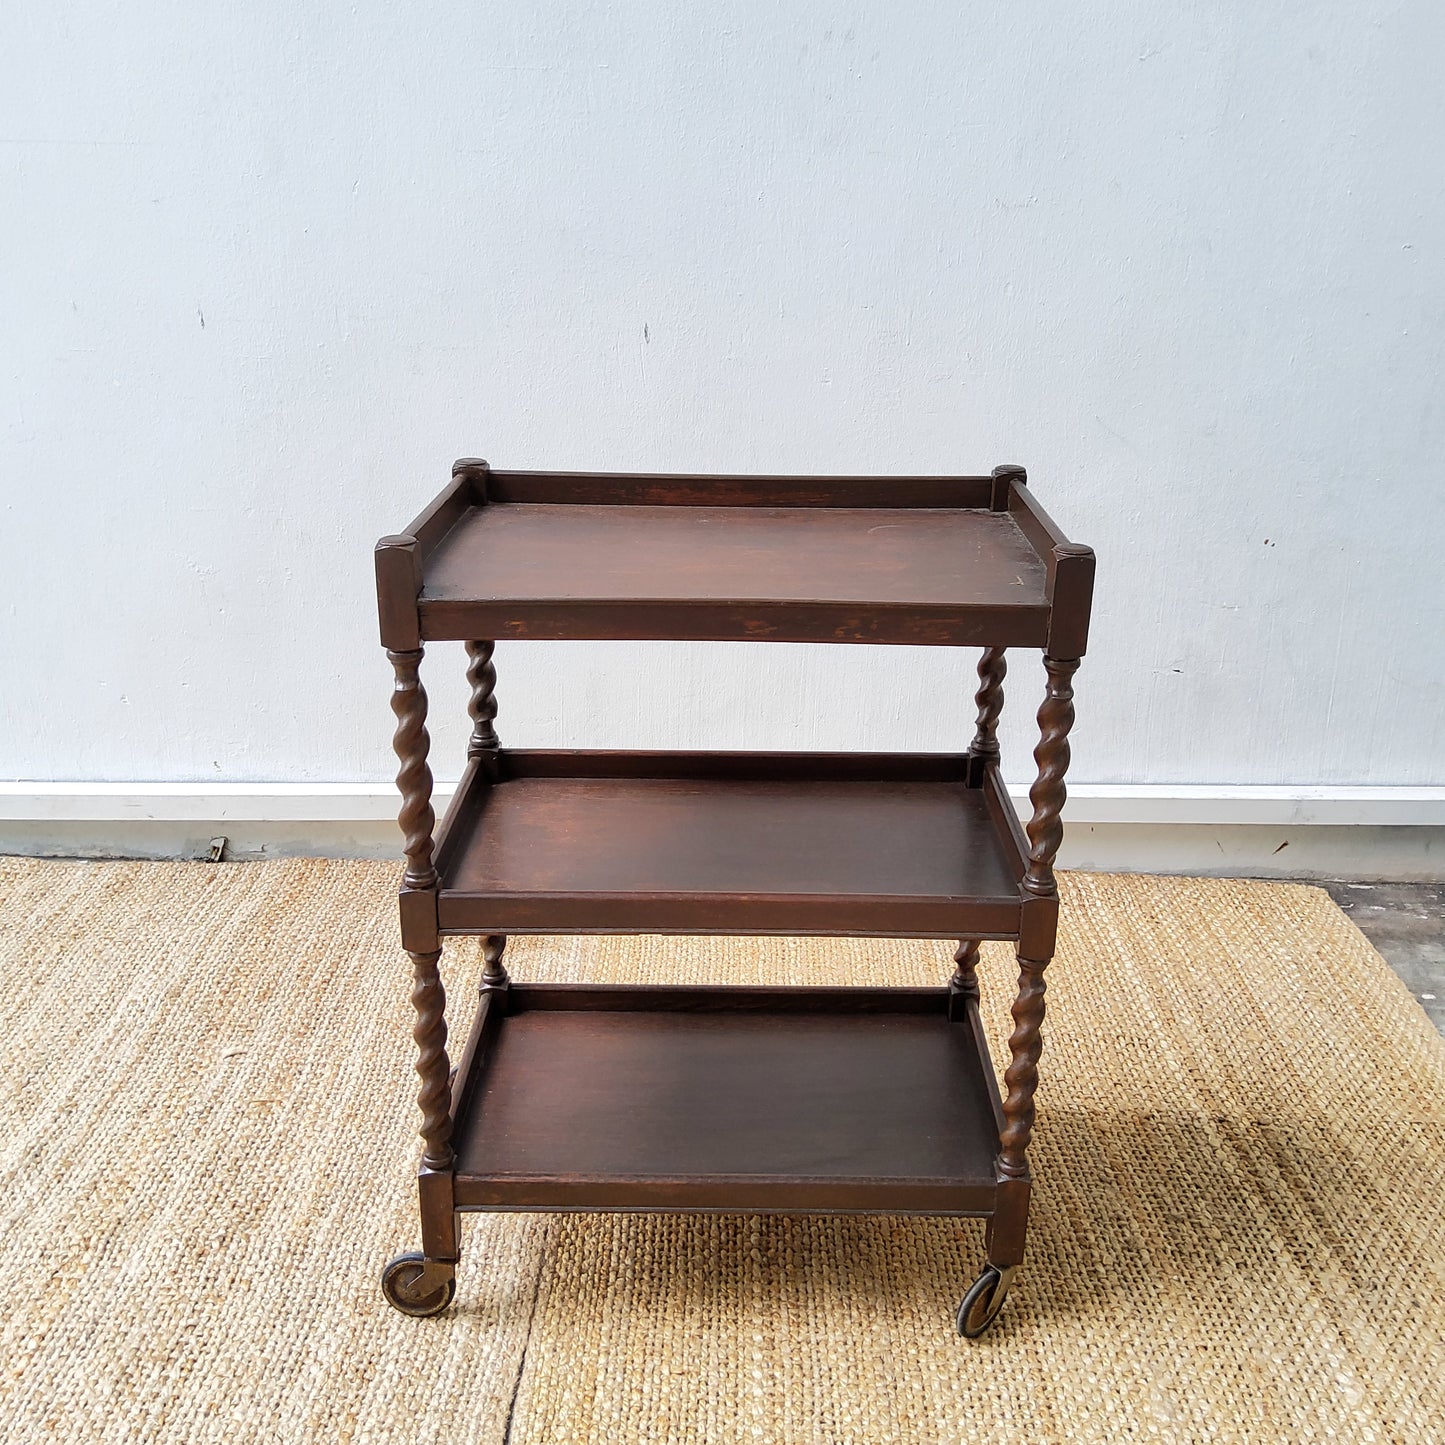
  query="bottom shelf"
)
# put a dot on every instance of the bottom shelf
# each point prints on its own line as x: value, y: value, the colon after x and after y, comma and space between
x: 769, y: 1100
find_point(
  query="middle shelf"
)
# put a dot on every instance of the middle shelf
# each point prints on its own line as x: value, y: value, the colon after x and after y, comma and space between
x: 885, y: 844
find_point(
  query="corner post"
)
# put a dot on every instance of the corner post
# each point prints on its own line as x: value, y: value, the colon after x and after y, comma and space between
x: 412, y: 744
x: 1005, y: 479
x: 418, y: 912
x: 1051, y: 756
x: 429, y: 999
x: 1040, y: 889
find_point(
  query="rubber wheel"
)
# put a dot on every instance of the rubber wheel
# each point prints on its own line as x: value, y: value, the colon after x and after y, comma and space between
x: 405, y: 1285
x: 982, y: 1303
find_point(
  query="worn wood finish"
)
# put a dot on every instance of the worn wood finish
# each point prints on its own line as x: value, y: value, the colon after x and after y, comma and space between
x: 1042, y: 531
x: 715, y: 850
x: 1071, y: 594
x: 398, y: 582
x: 922, y: 559
x: 718, y: 1107
x: 585, y: 835
x: 786, y: 573
x: 639, y: 1097
x: 440, y: 1236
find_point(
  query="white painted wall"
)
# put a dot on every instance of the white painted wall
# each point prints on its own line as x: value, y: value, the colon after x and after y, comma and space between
x: 265, y: 269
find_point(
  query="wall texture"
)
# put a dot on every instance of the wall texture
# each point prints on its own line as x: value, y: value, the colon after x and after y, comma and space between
x: 265, y: 269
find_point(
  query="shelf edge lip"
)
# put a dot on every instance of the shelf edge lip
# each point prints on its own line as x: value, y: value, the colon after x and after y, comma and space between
x: 748, y: 1194
x: 873, y: 604
x: 739, y: 1000
x: 784, y: 915
x: 754, y: 930
x: 603, y: 475
x: 760, y: 900
x: 734, y: 766
x: 937, y: 991
x: 802, y: 1181
x: 900, y: 1211
x: 1021, y: 625
x: 769, y: 1194
x: 874, y: 491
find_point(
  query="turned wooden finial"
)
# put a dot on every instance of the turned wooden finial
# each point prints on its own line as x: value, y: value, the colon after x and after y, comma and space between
x: 494, y: 971
x: 1006, y: 477
x: 475, y: 470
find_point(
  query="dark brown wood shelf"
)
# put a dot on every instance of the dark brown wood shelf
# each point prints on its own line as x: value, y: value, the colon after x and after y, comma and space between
x: 727, y: 1099
x: 892, y: 845
x: 923, y: 560
x: 572, y: 1096
x: 731, y: 572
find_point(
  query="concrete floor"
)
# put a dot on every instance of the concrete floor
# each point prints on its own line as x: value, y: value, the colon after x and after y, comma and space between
x: 1406, y: 922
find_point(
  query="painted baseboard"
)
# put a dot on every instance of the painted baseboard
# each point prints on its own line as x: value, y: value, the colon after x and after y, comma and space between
x: 1173, y: 803
x: 1229, y: 829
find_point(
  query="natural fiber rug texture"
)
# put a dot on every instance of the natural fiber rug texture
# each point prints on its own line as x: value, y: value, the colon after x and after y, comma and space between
x: 208, y: 1139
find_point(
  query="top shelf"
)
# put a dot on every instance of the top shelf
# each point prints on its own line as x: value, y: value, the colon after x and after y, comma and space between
x: 960, y: 561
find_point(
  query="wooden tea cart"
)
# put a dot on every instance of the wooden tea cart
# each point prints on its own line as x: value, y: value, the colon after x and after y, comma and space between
x: 808, y: 1100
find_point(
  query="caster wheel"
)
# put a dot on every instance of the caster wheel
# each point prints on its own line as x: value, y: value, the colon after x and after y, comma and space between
x: 983, y: 1301
x: 419, y: 1286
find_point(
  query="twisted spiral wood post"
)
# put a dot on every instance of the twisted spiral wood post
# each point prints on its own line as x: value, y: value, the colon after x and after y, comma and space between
x: 992, y: 668
x: 483, y: 704
x: 1021, y: 1078
x: 414, y: 780
x: 983, y: 750
x: 482, y: 708
x: 1045, y: 833
x: 429, y: 999
x: 1046, y: 827
x: 965, y: 973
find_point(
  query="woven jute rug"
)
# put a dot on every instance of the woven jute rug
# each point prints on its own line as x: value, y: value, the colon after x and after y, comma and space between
x: 206, y: 1145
